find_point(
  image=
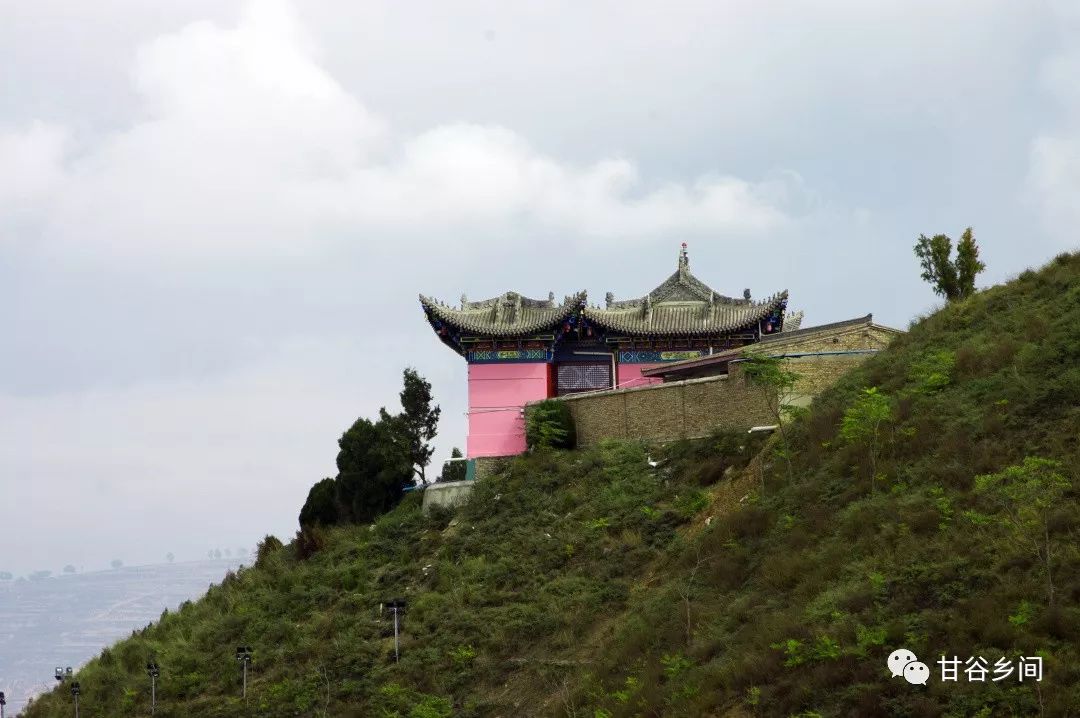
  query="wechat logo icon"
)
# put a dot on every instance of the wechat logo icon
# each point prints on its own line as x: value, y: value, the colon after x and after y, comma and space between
x: 903, y: 662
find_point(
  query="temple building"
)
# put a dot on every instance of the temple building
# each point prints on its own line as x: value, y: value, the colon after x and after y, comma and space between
x: 520, y: 350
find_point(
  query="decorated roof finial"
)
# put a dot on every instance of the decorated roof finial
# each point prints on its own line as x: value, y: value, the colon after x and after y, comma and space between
x: 684, y: 259
x: 792, y: 321
x: 551, y: 298
x: 746, y: 294
x: 464, y: 300
x: 609, y: 299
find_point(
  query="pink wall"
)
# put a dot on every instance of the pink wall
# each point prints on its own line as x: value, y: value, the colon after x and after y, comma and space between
x: 497, y: 393
x: 630, y: 375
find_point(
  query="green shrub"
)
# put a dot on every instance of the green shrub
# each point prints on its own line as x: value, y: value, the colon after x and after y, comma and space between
x: 321, y: 507
x: 269, y: 545
x: 550, y: 424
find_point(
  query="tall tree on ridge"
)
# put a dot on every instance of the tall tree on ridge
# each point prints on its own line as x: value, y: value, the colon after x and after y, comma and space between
x: 419, y: 422
x: 952, y: 279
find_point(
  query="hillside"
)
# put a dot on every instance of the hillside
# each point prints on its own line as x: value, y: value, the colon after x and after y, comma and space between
x: 733, y: 579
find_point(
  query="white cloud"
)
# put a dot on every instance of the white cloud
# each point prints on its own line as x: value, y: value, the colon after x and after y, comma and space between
x: 30, y: 165
x: 244, y: 142
x: 1054, y: 173
x: 1055, y: 182
x: 242, y: 188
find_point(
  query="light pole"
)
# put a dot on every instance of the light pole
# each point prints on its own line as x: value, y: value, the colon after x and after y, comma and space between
x: 75, y: 695
x: 397, y: 607
x: 153, y: 671
x: 243, y: 655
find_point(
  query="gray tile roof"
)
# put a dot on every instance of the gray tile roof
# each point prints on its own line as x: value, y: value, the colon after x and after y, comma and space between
x: 685, y: 318
x: 508, y: 315
x: 683, y: 305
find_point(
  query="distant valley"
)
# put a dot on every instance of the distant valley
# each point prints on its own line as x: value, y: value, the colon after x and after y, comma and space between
x: 68, y: 619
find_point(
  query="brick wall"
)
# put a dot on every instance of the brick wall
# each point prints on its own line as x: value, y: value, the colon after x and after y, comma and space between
x: 665, y: 412
x: 488, y: 465
x: 818, y: 373
x: 696, y: 407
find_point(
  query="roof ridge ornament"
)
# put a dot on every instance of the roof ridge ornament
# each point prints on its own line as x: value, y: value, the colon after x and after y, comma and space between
x: 793, y: 320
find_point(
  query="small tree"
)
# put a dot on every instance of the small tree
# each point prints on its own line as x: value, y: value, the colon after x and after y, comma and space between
x: 453, y: 470
x: 952, y: 279
x: 419, y: 422
x: 170, y: 557
x: 549, y: 423
x: 116, y: 563
x: 1026, y: 494
x: 321, y: 507
x: 862, y: 424
x: 374, y: 467
x: 777, y: 385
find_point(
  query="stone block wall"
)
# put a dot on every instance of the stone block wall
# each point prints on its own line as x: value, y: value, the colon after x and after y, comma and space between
x: 666, y: 412
x: 695, y: 408
x: 447, y: 495
x: 488, y: 465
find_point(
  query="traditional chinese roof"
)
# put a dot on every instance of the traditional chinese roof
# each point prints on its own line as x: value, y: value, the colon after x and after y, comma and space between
x: 508, y: 315
x: 683, y: 305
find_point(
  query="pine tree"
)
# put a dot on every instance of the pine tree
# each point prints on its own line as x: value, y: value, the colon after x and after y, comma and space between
x: 967, y: 263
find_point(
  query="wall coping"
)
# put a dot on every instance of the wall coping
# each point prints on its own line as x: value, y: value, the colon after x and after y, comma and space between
x: 631, y: 389
x: 449, y: 485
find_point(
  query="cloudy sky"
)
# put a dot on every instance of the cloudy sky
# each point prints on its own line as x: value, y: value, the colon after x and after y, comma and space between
x: 215, y: 216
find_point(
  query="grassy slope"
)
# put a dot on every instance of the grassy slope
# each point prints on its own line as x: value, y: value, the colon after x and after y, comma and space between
x: 587, y: 584
x: 540, y: 555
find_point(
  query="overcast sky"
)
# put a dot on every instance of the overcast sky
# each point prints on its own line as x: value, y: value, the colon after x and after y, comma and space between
x: 215, y: 217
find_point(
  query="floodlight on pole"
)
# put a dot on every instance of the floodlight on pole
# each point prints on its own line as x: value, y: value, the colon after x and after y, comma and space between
x: 59, y: 674
x: 396, y: 607
x: 153, y: 671
x: 243, y: 655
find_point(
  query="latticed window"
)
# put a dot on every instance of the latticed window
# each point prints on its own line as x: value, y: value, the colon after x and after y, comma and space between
x: 583, y: 377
